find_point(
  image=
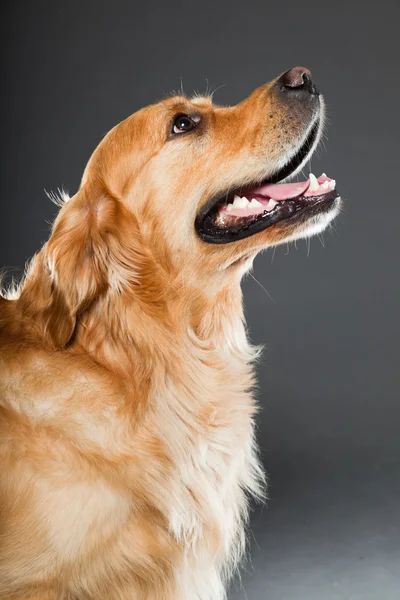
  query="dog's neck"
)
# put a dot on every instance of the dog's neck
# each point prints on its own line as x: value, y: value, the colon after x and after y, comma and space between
x: 134, y: 331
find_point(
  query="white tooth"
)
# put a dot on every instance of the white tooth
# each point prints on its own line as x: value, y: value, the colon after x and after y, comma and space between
x: 229, y: 207
x: 324, y: 175
x: 255, y: 202
x: 270, y: 205
x: 314, y: 185
x: 245, y: 200
x: 325, y: 185
x: 237, y: 201
x: 240, y: 202
x: 333, y: 183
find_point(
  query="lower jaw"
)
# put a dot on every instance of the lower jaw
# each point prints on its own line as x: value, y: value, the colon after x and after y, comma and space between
x: 288, y: 214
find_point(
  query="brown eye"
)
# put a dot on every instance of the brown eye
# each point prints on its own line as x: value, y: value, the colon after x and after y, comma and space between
x: 183, y: 123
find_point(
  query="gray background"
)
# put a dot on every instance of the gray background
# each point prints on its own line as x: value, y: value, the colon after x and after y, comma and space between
x: 329, y: 379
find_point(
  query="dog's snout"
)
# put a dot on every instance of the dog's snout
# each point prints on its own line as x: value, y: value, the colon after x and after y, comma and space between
x: 297, y: 80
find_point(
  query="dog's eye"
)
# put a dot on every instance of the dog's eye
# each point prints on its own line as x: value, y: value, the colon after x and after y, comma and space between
x: 183, y: 123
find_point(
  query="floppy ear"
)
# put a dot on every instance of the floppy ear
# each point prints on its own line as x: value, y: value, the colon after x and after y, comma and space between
x: 73, y: 269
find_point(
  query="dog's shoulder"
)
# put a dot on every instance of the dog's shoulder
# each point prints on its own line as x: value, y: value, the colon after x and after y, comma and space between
x: 59, y: 394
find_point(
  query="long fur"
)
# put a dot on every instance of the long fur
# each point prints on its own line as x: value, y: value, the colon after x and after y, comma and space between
x: 127, y: 446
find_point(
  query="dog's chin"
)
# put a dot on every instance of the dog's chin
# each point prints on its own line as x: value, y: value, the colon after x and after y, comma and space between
x: 289, y: 210
x: 310, y: 224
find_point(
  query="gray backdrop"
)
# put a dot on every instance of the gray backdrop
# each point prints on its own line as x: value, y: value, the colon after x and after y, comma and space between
x: 329, y: 380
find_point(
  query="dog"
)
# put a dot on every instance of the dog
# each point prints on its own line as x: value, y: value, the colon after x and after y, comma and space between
x: 127, y: 447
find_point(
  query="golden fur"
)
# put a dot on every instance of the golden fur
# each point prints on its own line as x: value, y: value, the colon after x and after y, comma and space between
x: 126, y: 416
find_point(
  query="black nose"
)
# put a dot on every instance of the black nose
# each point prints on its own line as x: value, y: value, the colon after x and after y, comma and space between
x: 298, y: 79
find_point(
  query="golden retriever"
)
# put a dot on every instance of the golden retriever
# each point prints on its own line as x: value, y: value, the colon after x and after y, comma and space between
x: 127, y: 446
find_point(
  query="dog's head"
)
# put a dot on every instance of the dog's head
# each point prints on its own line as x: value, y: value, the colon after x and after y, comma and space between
x: 200, y: 179
x: 190, y: 190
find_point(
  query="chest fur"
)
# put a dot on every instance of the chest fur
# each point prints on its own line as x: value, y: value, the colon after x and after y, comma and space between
x: 207, y: 431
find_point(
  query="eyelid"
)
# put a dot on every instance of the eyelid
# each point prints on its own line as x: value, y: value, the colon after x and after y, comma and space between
x: 196, y: 118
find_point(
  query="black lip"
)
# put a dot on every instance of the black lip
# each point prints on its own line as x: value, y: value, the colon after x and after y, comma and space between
x: 290, y: 212
x: 212, y: 234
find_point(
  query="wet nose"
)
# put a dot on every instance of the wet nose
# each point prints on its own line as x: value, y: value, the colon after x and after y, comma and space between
x: 298, y: 80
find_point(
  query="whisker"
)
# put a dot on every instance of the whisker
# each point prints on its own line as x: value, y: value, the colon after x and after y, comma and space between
x: 216, y: 90
x: 262, y: 287
x: 333, y: 229
x: 182, y: 90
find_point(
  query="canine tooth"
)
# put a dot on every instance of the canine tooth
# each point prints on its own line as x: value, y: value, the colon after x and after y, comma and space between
x: 324, y: 175
x: 314, y: 185
x: 270, y: 205
x: 255, y: 202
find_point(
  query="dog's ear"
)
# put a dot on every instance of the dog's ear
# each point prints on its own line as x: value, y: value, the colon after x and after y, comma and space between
x: 94, y: 239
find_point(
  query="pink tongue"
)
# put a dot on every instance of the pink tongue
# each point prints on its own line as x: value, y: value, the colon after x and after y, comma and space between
x: 283, y: 191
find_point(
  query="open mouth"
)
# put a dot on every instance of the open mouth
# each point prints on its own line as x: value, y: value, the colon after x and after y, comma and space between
x: 248, y: 210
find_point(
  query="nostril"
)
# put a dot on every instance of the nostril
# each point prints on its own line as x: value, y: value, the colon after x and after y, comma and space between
x: 298, y: 79
x: 307, y: 79
x: 295, y: 77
